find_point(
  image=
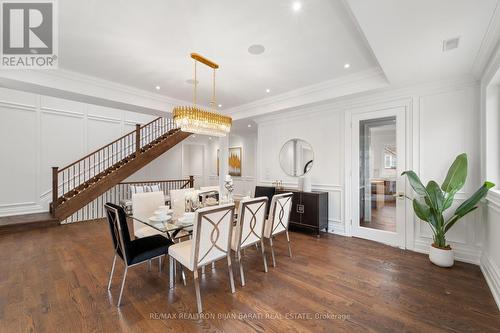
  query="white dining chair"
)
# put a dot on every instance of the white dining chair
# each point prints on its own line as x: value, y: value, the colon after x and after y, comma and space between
x: 209, y: 188
x: 249, y: 229
x: 144, y: 206
x: 211, y: 241
x: 178, y: 201
x: 278, y: 221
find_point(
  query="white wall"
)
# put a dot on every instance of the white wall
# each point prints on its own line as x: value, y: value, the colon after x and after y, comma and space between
x: 38, y: 132
x: 490, y: 167
x: 442, y: 121
x: 324, y: 132
x: 248, y: 142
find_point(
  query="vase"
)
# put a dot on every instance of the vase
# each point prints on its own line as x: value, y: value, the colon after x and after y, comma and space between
x: 441, y: 257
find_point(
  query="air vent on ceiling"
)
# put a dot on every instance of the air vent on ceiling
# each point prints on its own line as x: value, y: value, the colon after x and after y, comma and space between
x: 450, y: 44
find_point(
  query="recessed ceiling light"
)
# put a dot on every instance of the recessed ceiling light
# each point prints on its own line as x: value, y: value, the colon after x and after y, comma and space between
x: 256, y: 49
x: 157, y: 87
x: 346, y: 66
x: 191, y: 81
x: 249, y: 125
x: 296, y: 6
x: 268, y: 90
x: 220, y: 105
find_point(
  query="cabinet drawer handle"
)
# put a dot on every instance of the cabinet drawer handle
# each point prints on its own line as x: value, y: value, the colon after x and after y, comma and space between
x: 300, y: 209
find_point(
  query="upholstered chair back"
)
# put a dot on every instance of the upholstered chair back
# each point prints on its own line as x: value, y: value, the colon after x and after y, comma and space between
x: 118, y: 227
x: 178, y: 201
x: 144, y: 206
x: 212, y: 234
x: 209, y: 188
x: 251, y: 220
x: 279, y: 214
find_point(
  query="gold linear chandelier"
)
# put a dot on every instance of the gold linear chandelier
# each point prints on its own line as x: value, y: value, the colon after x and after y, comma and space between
x: 194, y: 119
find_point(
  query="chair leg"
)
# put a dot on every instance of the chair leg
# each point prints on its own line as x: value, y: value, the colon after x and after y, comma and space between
x: 257, y: 246
x: 171, y: 272
x: 123, y: 285
x: 183, y: 275
x: 289, y: 247
x: 263, y: 254
x: 111, y: 273
x: 242, y: 274
x: 230, y: 269
x: 197, y: 290
x: 272, y: 250
x: 213, y: 265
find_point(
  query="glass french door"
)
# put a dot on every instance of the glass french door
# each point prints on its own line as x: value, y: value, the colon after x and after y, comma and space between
x: 378, y: 159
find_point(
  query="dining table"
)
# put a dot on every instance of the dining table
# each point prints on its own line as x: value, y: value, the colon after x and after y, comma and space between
x: 173, y: 228
x: 170, y: 228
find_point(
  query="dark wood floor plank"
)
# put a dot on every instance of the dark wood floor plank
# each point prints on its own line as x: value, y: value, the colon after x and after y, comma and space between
x: 54, y: 279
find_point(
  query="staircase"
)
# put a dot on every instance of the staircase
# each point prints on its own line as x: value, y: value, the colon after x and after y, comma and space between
x: 80, y: 182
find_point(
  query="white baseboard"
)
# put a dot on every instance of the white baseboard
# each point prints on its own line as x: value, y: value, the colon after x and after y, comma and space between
x: 21, y: 209
x: 491, y: 273
x: 462, y: 253
x: 336, y: 227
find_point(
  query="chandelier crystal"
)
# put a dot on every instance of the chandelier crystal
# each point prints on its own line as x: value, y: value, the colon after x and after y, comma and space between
x: 194, y: 119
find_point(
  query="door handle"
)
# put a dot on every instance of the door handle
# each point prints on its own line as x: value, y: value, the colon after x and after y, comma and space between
x: 399, y: 195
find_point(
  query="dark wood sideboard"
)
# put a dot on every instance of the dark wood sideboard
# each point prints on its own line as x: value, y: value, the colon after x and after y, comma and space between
x: 309, y: 209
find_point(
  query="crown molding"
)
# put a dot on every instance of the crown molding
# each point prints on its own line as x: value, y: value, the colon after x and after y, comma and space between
x: 396, y: 93
x: 88, y: 89
x: 350, y: 84
x: 488, y: 45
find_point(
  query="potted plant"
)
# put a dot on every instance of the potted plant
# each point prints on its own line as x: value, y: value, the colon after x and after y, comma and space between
x: 432, y: 201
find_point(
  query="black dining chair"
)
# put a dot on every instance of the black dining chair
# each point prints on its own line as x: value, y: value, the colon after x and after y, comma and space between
x: 132, y: 252
x: 265, y: 191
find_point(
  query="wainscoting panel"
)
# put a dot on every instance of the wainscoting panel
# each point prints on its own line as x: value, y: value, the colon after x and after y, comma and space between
x: 490, y: 259
x: 40, y: 132
x: 18, y: 133
x: 438, y: 146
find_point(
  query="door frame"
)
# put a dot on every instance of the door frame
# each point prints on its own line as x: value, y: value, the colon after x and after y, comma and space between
x: 407, y: 241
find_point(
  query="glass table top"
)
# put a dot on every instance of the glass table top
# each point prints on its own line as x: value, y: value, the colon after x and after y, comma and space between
x: 164, y: 226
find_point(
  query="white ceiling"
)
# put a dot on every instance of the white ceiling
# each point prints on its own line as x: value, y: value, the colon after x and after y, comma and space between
x: 407, y: 35
x: 144, y: 44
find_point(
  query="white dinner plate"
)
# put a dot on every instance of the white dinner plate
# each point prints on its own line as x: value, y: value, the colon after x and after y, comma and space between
x: 157, y: 219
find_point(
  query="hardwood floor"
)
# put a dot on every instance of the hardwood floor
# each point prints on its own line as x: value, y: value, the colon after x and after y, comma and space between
x: 54, y: 280
x: 382, y: 218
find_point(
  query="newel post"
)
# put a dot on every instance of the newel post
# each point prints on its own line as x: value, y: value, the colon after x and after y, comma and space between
x: 191, y: 181
x: 55, y: 187
x: 137, y: 139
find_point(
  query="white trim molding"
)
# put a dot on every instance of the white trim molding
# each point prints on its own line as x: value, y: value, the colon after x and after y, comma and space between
x: 491, y: 274
x: 20, y: 208
x: 462, y: 252
x: 367, y: 80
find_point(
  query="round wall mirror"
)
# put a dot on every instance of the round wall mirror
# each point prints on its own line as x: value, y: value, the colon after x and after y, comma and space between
x: 296, y: 157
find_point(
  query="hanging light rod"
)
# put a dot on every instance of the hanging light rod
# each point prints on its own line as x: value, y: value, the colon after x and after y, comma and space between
x: 204, y: 60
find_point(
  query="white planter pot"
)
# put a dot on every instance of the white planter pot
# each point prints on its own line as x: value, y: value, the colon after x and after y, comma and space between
x: 441, y: 257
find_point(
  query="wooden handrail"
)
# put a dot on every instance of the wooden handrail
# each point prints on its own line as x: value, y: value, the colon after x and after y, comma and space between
x: 106, y: 146
x: 156, y: 181
x: 82, y: 174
